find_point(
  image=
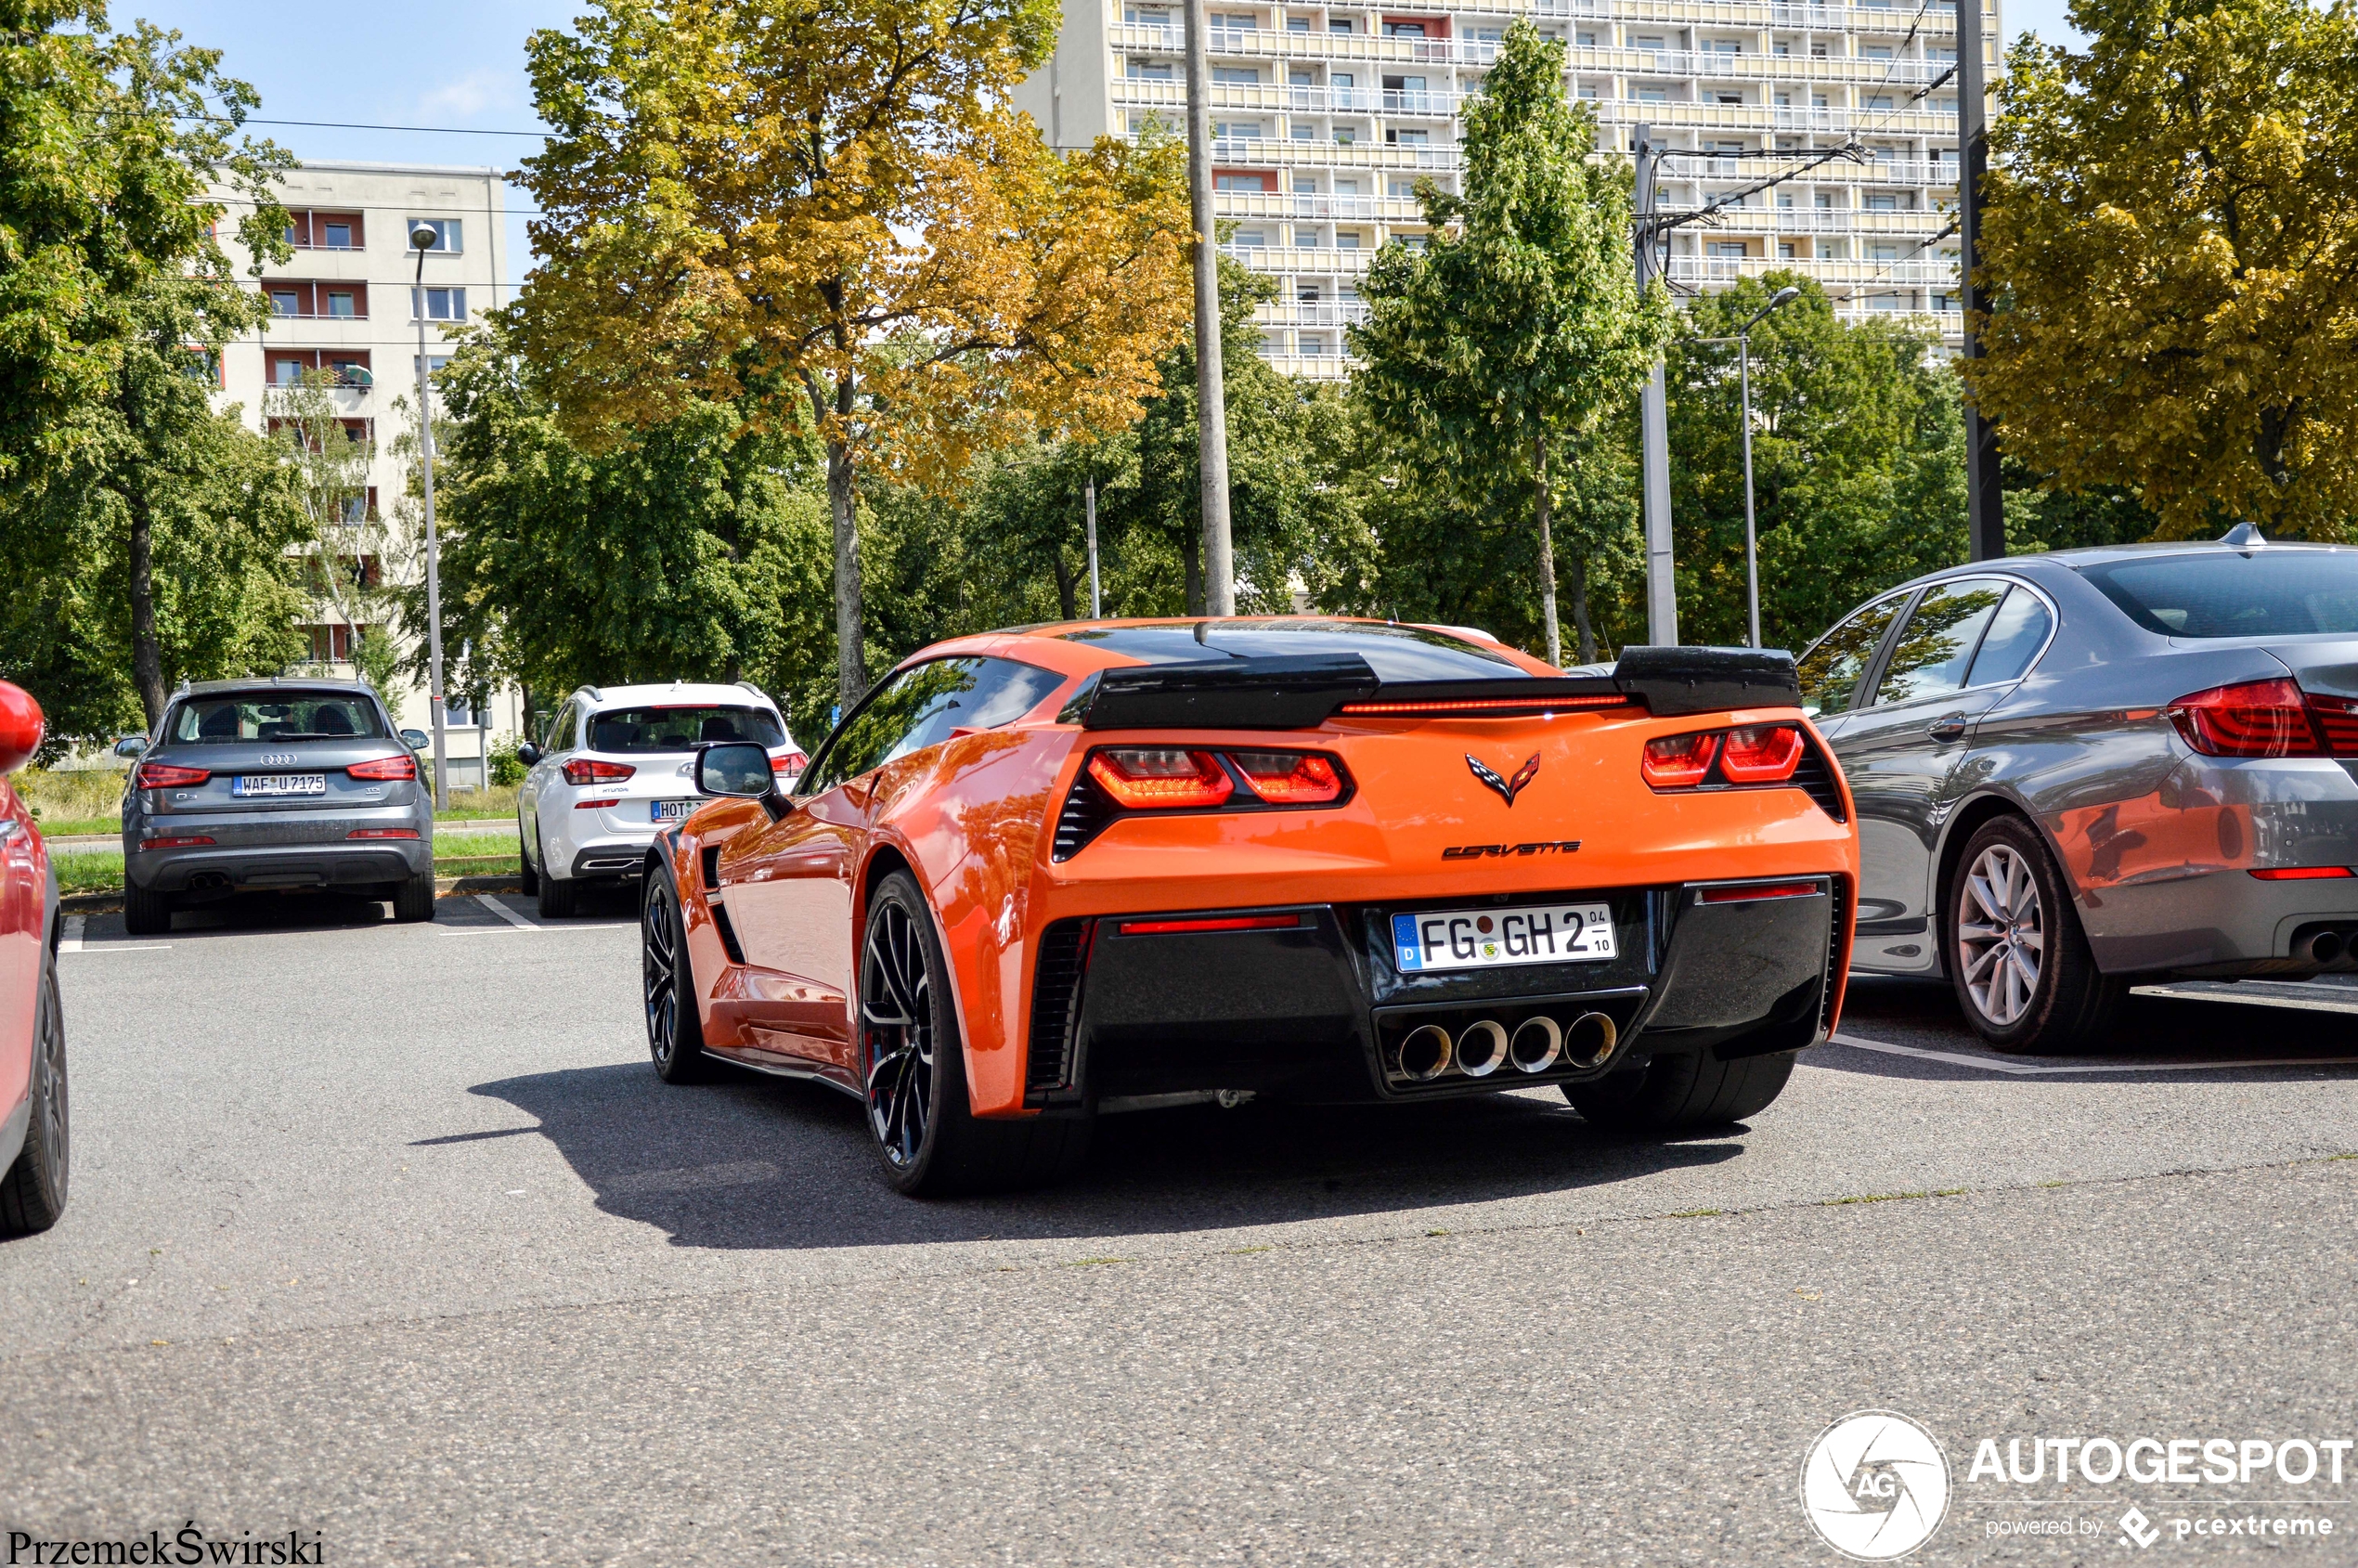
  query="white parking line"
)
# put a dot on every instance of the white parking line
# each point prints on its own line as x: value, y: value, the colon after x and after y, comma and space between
x: 72, y: 941
x: 93, y: 947
x: 2045, y: 1069
x: 504, y: 912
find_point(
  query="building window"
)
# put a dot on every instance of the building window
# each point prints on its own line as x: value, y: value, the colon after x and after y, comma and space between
x: 1726, y: 250
x: 1304, y: 131
x: 1256, y: 183
x: 285, y: 301
x: 1785, y: 250
x: 1150, y: 71
x: 447, y: 236
x: 1404, y: 29
x: 340, y: 304
x: 1314, y: 347
x: 1339, y: 24
x: 1297, y: 24
x: 438, y: 304
x: 1251, y: 239
x: 1346, y: 240
x: 1237, y: 76
x: 324, y: 231
x: 1238, y: 130
x: 434, y: 363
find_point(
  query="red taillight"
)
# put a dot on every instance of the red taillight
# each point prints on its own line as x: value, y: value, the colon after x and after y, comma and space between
x: 1761, y: 754
x: 1289, y: 778
x: 789, y: 766
x: 184, y: 841
x: 402, y: 767
x: 595, y: 805
x: 382, y: 833
x: 164, y: 775
x: 2302, y: 872
x: 1759, y: 890
x: 589, y: 770
x: 2257, y: 719
x: 1678, y: 761
x: 1211, y: 923
x: 1162, y: 778
x: 2336, y: 721
x: 1481, y: 708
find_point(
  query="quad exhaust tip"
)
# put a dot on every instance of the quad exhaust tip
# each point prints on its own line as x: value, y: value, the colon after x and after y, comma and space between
x: 1590, y: 1038
x: 1538, y: 1043
x: 1481, y: 1048
x: 1424, y: 1056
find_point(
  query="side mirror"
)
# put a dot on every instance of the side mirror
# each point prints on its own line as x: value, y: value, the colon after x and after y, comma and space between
x: 528, y: 753
x: 22, y: 727
x: 131, y: 746
x: 735, y: 767
x: 416, y: 740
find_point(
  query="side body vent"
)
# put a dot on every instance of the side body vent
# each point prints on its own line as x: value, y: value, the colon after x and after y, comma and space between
x: 1055, y: 1007
x: 710, y: 861
x: 1816, y: 775
x: 728, y: 935
x: 1837, y: 951
x: 1087, y: 810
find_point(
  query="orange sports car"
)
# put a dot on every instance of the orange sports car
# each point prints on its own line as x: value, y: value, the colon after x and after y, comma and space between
x: 1049, y: 873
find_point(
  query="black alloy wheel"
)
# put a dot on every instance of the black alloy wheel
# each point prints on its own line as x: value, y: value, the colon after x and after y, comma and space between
x: 32, y: 1195
x: 897, y: 1043
x: 675, y: 1032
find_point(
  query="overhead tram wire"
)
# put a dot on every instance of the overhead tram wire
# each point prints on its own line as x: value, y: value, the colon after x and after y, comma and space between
x: 347, y: 125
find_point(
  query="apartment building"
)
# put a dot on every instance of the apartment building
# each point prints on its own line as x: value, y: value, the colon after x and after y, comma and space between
x: 1325, y: 116
x: 349, y: 304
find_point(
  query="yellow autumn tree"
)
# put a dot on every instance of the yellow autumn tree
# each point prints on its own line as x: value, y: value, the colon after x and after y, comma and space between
x: 827, y: 213
x: 2171, y: 251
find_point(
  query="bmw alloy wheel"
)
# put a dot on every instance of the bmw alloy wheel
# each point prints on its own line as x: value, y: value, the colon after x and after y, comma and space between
x: 896, y: 1034
x: 2002, y: 939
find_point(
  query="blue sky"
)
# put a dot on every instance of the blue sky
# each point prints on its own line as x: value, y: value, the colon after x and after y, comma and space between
x: 457, y: 65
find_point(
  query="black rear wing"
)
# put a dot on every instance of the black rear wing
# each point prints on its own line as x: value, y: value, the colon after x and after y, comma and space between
x: 1303, y: 692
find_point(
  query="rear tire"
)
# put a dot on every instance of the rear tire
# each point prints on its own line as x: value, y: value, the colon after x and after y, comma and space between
x: 675, y: 1027
x: 32, y: 1195
x: 1672, y: 1094
x: 913, y: 1066
x: 559, y: 900
x: 525, y: 876
x: 145, y: 912
x: 413, y: 899
x: 2017, y: 956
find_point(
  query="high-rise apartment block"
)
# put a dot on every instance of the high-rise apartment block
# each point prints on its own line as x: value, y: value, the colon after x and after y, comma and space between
x: 1325, y: 116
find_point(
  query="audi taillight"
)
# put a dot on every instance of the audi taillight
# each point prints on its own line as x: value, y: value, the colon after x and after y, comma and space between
x: 1289, y: 778
x: 1162, y: 778
x: 1760, y: 754
x: 164, y: 775
x: 402, y: 767
x: 2256, y: 718
x: 589, y: 770
x: 1678, y: 761
x: 176, y: 841
x: 789, y: 766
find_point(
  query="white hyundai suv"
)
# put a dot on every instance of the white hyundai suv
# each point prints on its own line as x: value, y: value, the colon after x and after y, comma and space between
x: 614, y: 766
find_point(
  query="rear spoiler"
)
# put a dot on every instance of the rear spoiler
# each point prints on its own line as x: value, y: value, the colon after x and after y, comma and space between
x: 1303, y: 692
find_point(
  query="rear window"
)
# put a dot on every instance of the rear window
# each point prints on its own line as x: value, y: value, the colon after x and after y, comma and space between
x: 1394, y: 653
x: 679, y: 729
x: 2271, y: 592
x: 289, y: 718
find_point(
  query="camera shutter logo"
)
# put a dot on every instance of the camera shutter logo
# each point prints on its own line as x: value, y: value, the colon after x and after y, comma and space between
x: 1875, y: 1485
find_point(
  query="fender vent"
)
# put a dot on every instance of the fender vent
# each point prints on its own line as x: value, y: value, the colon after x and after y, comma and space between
x: 728, y: 934
x: 1817, y: 779
x: 710, y: 859
x: 1087, y: 810
x: 1055, y: 1007
x: 1837, y: 950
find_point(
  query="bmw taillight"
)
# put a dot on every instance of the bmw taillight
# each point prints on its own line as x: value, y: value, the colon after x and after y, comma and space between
x: 164, y: 775
x: 584, y: 771
x: 1289, y: 778
x: 1678, y: 761
x: 1162, y: 778
x: 2255, y: 719
x: 1760, y: 754
x: 402, y: 767
x: 790, y: 765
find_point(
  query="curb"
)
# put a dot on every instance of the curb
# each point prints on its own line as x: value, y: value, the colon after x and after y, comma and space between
x: 111, y: 903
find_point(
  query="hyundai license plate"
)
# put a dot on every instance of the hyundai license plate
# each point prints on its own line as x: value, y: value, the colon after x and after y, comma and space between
x: 1492, y: 938
x: 278, y: 783
x: 669, y: 811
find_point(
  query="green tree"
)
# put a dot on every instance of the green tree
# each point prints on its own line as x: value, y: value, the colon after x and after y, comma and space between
x: 2172, y: 243
x: 1518, y: 328
x: 1858, y: 462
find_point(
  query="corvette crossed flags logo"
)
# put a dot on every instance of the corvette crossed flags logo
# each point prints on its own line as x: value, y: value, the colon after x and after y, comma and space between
x: 1508, y: 788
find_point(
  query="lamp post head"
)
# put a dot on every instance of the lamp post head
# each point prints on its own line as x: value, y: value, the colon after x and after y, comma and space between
x: 424, y: 238
x: 1783, y: 296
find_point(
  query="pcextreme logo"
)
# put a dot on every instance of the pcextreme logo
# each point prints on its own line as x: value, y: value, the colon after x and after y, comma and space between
x: 1874, y: 1486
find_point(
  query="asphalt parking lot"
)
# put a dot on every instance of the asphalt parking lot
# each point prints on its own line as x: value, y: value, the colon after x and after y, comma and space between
x: 387, y: 1236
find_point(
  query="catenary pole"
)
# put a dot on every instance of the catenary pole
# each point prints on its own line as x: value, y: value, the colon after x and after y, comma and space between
x: 1212, y: 403
x: 1985, y: 500
x: 1662, y: 584
x: 1096, y: 607
x: 424, y: 238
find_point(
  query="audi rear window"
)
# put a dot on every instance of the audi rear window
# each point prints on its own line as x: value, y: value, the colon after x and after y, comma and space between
x: 288, y: 718
x: 2270, y: 592
x: 1394, y: 653
x: 681, y: 729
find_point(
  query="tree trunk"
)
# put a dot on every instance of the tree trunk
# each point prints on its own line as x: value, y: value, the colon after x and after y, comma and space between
x: 1064, y: 586
x: 1580, y: 609
x: 851, y: 663
x: 1191, y: 549
x: 1546, y: 554
x: 147, y: 652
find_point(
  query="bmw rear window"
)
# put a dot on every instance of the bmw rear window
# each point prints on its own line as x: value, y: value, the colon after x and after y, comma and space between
x: 288, y: 718
x: 681, y: 729
x: 2270, y: 592
x: 1394, y: 653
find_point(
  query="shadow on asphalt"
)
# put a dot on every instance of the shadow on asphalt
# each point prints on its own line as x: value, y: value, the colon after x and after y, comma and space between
x: 761, y: 1162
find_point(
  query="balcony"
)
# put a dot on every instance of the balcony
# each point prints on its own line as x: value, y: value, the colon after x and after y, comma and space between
x: 1327, y: 316
x: 1315, y: 207
x: 1831, y: 273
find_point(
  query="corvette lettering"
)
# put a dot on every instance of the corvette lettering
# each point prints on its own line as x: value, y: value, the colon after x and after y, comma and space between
x: 1541, y: 846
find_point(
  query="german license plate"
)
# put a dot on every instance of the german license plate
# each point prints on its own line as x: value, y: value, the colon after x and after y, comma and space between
x: 1493, y: 938
x: 669, y: 811
x: 278, y: 783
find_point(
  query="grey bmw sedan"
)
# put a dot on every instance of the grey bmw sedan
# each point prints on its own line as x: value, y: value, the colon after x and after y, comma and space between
x: 2087, y: 769
x: 253, y: 785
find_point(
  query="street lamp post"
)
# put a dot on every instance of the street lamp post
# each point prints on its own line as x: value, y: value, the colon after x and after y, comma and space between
x: 1743, y: 341
x: 422, y: 239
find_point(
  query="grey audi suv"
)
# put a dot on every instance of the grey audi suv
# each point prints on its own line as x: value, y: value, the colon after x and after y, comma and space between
x: 251, y: 785
x: 2078, y: 771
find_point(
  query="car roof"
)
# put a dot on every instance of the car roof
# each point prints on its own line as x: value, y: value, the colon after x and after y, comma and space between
x: 1078, y: 647
x: 603, y: 697
x: 2081, y: 558
x: 283, y: 682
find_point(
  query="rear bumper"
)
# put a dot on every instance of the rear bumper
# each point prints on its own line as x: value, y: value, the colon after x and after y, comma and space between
x: 228, y: 868
x: 1318, y: 1010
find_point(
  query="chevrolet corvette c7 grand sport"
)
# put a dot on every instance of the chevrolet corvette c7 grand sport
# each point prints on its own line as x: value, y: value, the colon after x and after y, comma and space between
x: 1046, y: 874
